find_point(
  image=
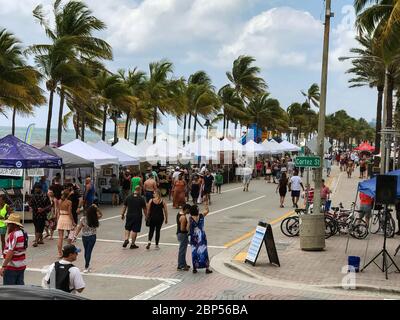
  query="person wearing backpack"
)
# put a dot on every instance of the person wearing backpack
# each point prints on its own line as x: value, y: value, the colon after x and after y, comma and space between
x: 63, y: 275
x: 14, y: 264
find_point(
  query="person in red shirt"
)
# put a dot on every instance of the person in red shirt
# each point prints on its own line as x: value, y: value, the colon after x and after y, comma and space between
x: 365, y: 206
x: 14, y: 264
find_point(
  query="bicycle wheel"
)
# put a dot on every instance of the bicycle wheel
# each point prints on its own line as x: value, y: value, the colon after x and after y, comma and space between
x: 359, y: 230
x: 290, y: 226
x: 343, y: 226
x: 375, y: 223
x: 330, y: 227
x: 390, y: 228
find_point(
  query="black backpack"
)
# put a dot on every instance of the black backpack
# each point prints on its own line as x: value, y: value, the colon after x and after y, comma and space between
x: 62, y: 276
x: 26, y: 239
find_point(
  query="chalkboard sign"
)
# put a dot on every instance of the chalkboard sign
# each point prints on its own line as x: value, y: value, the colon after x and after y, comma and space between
x: 263, y: 234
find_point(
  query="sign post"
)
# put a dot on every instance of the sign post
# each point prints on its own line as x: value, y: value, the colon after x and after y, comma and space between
x: 308, y: 162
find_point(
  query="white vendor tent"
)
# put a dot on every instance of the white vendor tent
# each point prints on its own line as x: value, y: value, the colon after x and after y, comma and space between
x: 128, y: 148
x: 205, y: 148
x: 123, y: 158
x: 228, y: 145
x: 83, y: 150
x: 142, y: 147
x: 165, y: 149
x: 254, y: 148
x: 290, y: 146
x: 273, y: 147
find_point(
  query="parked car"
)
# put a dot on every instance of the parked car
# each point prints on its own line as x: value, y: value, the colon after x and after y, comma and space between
x: 29, y: 292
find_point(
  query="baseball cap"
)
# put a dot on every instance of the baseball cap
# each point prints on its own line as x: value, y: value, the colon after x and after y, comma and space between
x: 68, y: 249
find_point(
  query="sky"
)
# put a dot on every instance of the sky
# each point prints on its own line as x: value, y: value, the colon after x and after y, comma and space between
x: 285, y: 37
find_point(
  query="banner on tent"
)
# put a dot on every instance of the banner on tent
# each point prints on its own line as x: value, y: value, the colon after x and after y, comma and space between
x: 11, y: 172
x: 37, y: 172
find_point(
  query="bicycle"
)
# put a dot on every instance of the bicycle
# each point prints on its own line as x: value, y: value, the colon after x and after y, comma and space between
x: 378, y: 222
x: 290, y: 226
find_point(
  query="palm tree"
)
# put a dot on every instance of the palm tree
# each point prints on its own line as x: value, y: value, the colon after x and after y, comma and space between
x: 19, y: 83
x: 72, y: 40
x: 157, y: 90
x: 135, y: 80
x: 233, y: 107
x: 112, y: 94
x: 266, y: 113
x: 369, y: 69
x: 312, y: 95
x: 245, y: 80
x: 380, y: 20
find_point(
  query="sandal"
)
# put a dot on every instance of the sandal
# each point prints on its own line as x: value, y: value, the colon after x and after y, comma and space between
x: 34, y: 244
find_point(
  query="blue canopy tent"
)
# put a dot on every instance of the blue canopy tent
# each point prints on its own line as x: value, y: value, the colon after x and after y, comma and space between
x: 16, y: 154
x: 368, y: 187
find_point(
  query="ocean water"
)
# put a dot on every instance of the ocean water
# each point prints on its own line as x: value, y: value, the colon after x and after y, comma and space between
x: 39, y: 135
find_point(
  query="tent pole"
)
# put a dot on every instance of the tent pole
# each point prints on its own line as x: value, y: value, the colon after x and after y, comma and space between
x: 23, y: 196
x: 354, y: 207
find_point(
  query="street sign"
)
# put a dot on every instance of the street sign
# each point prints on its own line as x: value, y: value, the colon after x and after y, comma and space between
x: 308, y: 162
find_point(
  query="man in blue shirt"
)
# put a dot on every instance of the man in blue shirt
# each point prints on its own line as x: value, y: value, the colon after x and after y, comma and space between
x: 43, y: 184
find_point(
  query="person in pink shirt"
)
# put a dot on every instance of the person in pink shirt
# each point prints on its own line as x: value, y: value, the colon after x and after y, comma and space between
x: 325, y: 193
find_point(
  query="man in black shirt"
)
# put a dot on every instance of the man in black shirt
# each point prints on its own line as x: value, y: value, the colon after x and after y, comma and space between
x: 75, y: 197
x: 40, y: 205
x: 208, y: 182
x: 57, y: 188
x: 136, y: 206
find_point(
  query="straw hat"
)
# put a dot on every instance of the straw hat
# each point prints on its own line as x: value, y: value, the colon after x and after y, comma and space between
x: 15, y: 219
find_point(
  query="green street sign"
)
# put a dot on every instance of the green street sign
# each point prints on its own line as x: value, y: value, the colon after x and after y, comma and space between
x: 308, y: 162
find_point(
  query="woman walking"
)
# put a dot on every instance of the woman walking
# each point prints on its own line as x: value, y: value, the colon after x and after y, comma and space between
x: 65, y: 220
x: 179, y: 192
x: 157, y: 213
x: 89, y: 224
x: 268, y: 171
x: 282, y: 188
x: 198, y: 239
x: 195, y: 188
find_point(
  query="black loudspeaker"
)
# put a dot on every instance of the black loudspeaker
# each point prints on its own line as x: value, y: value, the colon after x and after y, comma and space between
x: 386, y: 189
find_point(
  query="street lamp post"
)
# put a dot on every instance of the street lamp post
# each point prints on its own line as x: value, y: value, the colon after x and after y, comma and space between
x: 291, y: 133
x: 313, y: 238
x: 207, y: 125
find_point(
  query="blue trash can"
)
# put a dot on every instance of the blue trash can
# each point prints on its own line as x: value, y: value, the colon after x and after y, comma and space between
x: 354, y: 261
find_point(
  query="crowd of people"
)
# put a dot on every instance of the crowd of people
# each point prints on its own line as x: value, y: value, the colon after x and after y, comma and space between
x: 71, y: 209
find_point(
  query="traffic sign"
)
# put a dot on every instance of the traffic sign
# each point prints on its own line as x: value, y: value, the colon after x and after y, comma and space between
x: 308, y: 162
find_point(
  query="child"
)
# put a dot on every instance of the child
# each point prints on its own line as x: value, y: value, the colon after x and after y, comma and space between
x: 219, y: 180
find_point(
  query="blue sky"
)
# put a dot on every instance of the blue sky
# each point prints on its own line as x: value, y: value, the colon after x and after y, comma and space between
x: 284, y: 36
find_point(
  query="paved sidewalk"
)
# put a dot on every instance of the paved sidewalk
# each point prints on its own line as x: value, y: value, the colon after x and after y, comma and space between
x: 328, y: 268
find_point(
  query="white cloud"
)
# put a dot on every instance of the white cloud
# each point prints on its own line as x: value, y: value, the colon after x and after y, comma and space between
x: 277, y: 37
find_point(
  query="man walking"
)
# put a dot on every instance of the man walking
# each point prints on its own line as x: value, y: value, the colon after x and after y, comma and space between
x: 150, y: 186
x: 63, y: 275
x: 208, y: 182
x: 294, y: 186
x: 126, y: 184
x: 183, y: 236
x: 89, y: 194
x: 40, y: 205
x: 136, y: 207
x: 14, y: 264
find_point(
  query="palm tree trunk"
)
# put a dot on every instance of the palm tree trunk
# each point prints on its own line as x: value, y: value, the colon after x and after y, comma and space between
x: 378, y: 126
x: 155, y: 125
x: 83, y: 126
x: 136, y: 131
x: 236, y: 125
x: 227, y: 128
x: 49, y: 115
x: 115, y: 129
x: 194, y: 126
x: 190, y: 124
x: 103, y: 133
x: 389, y: 101
x: 147, y: 130
x: 60, y: 117
x: 76, y: 125
x: 223, y: 126
x: 13, y: 121
x: 128, y: 115
x: 184, y: 130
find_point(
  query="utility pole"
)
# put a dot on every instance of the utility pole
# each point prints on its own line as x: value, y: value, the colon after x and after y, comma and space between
x: 383, y: 167
x: 316, y: 236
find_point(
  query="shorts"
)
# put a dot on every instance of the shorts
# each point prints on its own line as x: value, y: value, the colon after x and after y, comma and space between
x: 149, y: 195
x: 114, y: 191
x: 206, y: 191
x: 3, y: 230
x: 39, y: 224
x: 295, y: 193
x: 365, y: 211
x: 133, y: 225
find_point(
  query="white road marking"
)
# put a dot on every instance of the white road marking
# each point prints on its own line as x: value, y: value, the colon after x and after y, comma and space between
x: 211, y: 213
x: 148, y: 294
x: 337, y: 183
x: 121, y: 276
x: 142, y: 242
